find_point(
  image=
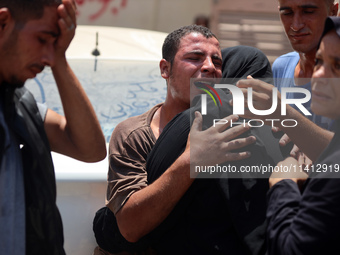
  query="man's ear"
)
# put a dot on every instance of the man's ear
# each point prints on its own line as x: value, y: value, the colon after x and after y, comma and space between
x: 334, y: 10
x: 165, y: 66
x: 5, y: 18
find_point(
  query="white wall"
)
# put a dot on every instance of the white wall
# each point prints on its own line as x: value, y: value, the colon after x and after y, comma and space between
x: 159, y: 15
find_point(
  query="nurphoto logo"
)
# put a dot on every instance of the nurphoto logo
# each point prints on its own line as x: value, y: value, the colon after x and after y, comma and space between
x: 239, y: 103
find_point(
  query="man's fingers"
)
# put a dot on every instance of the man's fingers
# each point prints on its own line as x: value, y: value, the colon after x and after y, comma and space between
x: 235, y: 131
x: 257, y: 85
x: 301, y: 159
x: 74, y: 5
x: 234, y: 156
x: 284, y: 140
x: 197, y: 123
x: 239, y: 143
x: 294, y: 152
x: 222, y: 124
x: 276, y: 129
x: 70, y: 9
x: 67, y: 15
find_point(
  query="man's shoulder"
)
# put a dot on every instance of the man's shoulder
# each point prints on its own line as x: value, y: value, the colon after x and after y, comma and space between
x: 132, y: 123
x: 292, y: 54
x: 286, y: 59
x: 136, y: 124
x: 284, y: 66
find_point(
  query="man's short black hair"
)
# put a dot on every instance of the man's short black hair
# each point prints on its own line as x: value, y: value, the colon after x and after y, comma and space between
x: 24, y: 10
x: 172, y: 41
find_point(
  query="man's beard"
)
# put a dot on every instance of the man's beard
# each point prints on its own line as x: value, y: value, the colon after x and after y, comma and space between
x: 15, y: 82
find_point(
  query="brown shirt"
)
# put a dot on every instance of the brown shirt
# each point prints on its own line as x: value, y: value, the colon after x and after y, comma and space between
x: 130, y: 143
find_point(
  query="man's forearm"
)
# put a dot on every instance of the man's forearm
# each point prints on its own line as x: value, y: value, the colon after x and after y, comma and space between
x: 149, y: 207
x: 82, y: 126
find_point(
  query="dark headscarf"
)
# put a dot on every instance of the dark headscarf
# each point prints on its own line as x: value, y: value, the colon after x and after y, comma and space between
x: 332, y: 22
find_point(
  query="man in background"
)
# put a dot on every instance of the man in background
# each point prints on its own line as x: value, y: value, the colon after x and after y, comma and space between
x: 302, y: 21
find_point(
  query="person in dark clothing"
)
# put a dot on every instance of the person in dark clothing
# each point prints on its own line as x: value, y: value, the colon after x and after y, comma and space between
x: 307, y: 221
x: 35, y: 34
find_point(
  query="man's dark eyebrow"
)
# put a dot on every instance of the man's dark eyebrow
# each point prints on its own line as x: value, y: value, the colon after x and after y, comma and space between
x: 217, y: 58
x: 308, y: 6
x: 197, y: 52
x: 284, y: 8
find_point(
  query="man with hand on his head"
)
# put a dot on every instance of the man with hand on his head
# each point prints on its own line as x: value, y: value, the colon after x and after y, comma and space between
x: 35, y: 34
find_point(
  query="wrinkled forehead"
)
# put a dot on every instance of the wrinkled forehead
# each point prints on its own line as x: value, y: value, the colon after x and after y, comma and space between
x: 196, y: 39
